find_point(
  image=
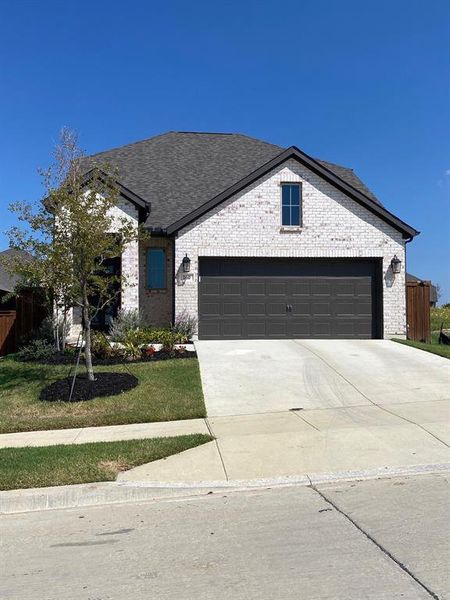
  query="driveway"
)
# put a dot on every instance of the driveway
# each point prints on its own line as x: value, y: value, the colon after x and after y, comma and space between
x: 264, y: 376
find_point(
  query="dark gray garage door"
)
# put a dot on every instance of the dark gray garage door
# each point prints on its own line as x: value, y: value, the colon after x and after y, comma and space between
x: 289, y: 298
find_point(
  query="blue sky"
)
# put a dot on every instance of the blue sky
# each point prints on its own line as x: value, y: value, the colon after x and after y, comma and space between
x: 363, y: 84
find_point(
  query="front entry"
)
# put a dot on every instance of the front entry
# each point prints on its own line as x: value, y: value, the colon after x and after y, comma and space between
x: 289, y: 298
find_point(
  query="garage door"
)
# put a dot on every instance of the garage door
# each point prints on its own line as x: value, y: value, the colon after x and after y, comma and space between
x: 288, y: 298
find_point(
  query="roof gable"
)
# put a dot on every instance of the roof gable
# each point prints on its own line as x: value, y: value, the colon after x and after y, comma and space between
x: 318, y: 168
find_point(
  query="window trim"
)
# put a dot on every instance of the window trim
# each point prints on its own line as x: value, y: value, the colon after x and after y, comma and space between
x: 147, y: 270
x: 300, y: 220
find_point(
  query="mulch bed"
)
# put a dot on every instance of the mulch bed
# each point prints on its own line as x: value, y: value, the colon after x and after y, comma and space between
x: 105, y: 384
x: 70, y: 359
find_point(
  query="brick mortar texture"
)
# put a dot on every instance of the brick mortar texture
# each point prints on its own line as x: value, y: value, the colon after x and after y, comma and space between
x: 334, y: 226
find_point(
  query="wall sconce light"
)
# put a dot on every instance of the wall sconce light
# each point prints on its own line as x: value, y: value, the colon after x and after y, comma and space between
x: 396, y: 265
x: 186, y: 264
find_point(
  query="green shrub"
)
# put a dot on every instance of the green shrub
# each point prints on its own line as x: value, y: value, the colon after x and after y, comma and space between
x: 101, y: 348
x: 439, y: 316
x: 126, y: 321
x: 36, y: 350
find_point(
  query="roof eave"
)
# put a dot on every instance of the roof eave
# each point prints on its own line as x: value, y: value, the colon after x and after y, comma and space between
x: 142, y: 205
x: 296, y: 154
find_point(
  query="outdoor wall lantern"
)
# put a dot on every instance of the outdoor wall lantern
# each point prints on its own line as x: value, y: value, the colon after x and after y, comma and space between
x: 186, y: 264
x: 396, y: 265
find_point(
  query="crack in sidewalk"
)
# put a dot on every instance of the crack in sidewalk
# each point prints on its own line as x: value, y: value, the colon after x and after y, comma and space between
x: 208, y: 425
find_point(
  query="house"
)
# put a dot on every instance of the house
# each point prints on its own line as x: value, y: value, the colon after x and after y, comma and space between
x: 257, y: 241
x: 433, y: 290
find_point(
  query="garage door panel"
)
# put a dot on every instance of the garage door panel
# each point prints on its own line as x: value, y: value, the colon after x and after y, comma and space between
x: 301, y: 309
x: 321, y: 288
x: 321, y: 329
x: 232, y: 309
x: 256, y: 329
x: 276, y: 288
x: 256, y: 309
x: 211, y: 288
x: 232, y: 329
x: 211, y: 309
x: 288, y: 298
x: 232, y: 288
x: 300, y: 329
x: 276, y: 309
x: 321, y: 308
x: 255, y: 288
x: 300, y: 289
x: 277, y: 329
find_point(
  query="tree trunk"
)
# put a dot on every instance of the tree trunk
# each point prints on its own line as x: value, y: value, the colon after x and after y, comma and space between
x: 86, y: 324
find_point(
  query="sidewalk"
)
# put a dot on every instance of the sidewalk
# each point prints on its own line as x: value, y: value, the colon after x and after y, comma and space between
x: 112, y: 433
x: 296, y: 444
x: 279, y: 445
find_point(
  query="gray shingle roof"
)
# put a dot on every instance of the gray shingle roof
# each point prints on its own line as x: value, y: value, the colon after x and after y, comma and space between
x: 177, y: 172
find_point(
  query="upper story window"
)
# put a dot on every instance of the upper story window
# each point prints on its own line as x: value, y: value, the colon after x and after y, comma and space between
x: 291, y: 204
x: 156, y: 268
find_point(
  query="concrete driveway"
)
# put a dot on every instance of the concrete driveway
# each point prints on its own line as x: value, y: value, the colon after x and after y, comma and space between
x: 263, y: 376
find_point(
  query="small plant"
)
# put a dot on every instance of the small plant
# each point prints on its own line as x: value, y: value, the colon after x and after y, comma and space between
x: 38, y: 349
x: 168, y: 339
x: 185, y: 326
x: 126, y: 321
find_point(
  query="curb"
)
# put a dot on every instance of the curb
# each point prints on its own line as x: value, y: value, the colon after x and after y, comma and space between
x: 100, y: 494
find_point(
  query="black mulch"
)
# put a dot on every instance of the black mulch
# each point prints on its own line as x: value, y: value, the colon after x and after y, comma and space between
x: 70, y: 359
x: 105, y: 384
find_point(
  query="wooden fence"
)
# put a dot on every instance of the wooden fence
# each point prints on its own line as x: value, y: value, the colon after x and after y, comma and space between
x: 418, y: 310
x: 17, y: 324
x: 7, y: 332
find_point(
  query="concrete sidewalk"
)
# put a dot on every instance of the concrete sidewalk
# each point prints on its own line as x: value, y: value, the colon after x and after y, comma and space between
x: 273, y: 446
x: 84, y: 435
x: 295, y: 444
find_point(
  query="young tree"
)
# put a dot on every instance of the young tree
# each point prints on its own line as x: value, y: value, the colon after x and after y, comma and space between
x: 71, y: 235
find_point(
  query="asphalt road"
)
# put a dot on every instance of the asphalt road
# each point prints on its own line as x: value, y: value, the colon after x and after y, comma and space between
x: 384, y: 539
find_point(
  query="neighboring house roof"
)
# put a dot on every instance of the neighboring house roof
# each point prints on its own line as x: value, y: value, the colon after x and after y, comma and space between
x: 433, y: 290
x: 9, y: 281
x: 177, y: 173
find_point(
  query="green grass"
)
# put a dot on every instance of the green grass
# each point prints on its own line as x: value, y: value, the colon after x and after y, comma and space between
x: 102, y: 461
x: 434, y: 347
x: 167, y: 390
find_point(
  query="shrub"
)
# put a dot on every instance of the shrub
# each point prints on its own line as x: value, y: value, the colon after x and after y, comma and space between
x: 126, y: 320
x: 185, y: 326
x: 38, y: 349
x: 438, y: 316
x: 168, y: 339
x: 101, y: 348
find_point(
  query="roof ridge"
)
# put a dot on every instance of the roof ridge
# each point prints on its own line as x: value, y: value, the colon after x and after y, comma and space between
x: 153, y: 137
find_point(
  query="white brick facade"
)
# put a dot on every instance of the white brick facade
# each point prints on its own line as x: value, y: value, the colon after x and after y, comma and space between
x: 334, y: 226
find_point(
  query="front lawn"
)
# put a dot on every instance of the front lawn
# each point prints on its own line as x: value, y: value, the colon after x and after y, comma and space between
x: 434, y: 347
x: 84, y: 463
x: 167, y: 390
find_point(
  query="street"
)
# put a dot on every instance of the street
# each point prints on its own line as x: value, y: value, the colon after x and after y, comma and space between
x: 380, y: 539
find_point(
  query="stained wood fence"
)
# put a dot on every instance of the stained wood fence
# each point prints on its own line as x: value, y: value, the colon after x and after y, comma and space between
x: 17, y: 324
x: 7, y: 332
x: 418, y: 310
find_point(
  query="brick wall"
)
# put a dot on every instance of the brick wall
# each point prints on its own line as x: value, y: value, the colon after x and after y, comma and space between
x: 334, y: 226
